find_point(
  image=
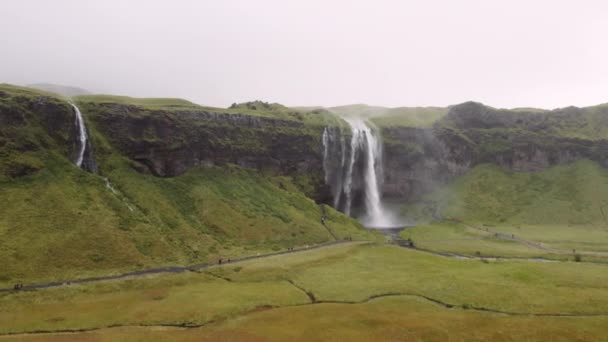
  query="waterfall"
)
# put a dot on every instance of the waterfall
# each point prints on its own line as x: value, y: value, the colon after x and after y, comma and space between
x: 113, y: 190
x: 84, y: 159
x: 82, y: 135
x: 361, y: 173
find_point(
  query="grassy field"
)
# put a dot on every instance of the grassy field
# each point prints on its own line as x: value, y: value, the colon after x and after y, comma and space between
x: 349, y: 276
x: 571, y: 194
x: 562, y: 209
x: 397, y: 318
x: 458, y: 239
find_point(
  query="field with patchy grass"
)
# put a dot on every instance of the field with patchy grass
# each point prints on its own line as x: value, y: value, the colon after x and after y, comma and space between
x: 365, y: 290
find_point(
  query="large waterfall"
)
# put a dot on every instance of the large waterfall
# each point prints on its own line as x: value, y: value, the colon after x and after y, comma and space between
x: 355, y: 172
x: 84, y: 159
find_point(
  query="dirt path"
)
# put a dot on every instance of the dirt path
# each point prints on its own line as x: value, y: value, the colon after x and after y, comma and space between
x: 171, y: 269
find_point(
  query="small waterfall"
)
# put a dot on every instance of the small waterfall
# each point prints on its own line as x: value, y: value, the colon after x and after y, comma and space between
x: 82, y: 136
x: 113, y: 190
x: 362, y: 174
x: 84, y: 159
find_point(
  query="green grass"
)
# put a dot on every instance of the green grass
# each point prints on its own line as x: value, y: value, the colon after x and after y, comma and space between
x: 397, y: 318
x: 64, y: 223
x: 154, y: 103
x: 562, y: 208
x: 394, y: 117
x: 461, y: 240
x: 351, y: 272
x: 253, y: 108
x: 572, y: 194
x: 180, y: 298
x: 509, y: 286
x: 15, y: 90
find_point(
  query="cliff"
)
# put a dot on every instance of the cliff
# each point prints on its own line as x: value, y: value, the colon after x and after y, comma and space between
x: 418, y: 160
x: 168, y: 140
x: 148, y: 205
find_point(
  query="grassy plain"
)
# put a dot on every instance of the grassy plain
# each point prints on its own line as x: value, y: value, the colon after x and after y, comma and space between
x: 344, y: 280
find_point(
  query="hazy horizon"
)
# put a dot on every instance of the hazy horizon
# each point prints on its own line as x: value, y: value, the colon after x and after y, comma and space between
x: 546, y: 54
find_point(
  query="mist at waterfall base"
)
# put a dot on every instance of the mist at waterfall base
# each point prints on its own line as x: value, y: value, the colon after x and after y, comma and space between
x: 354, y: 171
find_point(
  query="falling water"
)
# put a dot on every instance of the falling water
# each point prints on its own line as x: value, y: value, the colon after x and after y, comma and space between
x: 82, y: 136
x: 85, y: 158
x: 366, y: 150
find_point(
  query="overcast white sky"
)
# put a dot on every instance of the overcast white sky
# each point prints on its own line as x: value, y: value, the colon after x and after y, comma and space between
x: 511, y: 53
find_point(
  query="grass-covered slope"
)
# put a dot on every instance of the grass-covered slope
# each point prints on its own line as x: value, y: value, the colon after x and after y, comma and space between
x: 573, y: 194
x: 59, y: 222
x: 561, y: 211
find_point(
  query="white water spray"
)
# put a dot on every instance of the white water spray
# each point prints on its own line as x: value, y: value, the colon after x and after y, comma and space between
x: 365, y: 147
x: 82, y: 135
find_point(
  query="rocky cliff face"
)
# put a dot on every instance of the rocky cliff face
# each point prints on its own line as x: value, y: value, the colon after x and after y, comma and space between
x: 31, y: 125
x: 417, y: 160
x: 420, y: 159
x: 167, y: 143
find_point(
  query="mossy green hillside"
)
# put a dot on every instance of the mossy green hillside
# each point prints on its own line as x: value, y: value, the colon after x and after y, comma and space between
x: 63, y: 222
x: 570, y: 194
x: 561, y: 209
x: 60, y: 222
x: 30, y: 122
